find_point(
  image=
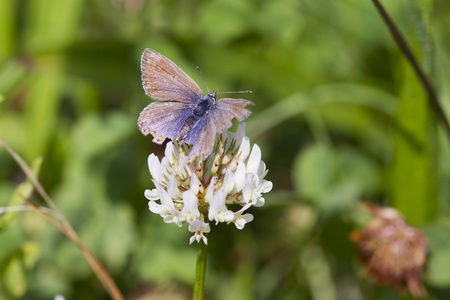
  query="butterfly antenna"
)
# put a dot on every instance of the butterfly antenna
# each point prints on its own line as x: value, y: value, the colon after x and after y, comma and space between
x: 207, y: 88
x: 235, y: 92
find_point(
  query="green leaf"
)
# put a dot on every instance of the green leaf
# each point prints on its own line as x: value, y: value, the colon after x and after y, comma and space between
x: 15, y: 277
x: 223, y: 20
x: 334, y: 178
x: 42, y: 105
x: 111, y: 234
x: 413, y: 183
x: 95, y: 134
x: 315, y: 171
x: 7, y: 28
x: 51, y: 24
x: 11, y: 72
x: 31, y: 254
x: 439, y: 260
x: 165, y: 255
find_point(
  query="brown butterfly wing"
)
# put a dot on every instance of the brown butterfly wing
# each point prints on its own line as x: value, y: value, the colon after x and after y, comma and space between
x: 162, y: 79
x: 226, y: 109
x: 174, y: 118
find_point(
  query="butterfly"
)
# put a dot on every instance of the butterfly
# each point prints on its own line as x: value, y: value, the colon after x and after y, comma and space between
x: 185, y: 115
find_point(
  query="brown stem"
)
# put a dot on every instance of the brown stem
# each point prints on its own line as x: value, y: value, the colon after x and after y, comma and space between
x: 64, y: 226
x: 432, y: 96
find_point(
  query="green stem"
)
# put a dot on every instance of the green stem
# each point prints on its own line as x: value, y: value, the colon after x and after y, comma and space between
x: 200, y: 271
x: 432, y: 95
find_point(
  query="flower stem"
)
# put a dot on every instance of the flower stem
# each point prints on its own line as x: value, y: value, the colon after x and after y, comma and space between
x: 432, y: 95
x: 200, y: 271
x: 61, y: 223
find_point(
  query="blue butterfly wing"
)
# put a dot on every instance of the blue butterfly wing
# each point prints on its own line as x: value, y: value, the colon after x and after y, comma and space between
x: 201, y: 132
x: 174, y: 118
x: 164, y: 119
x: 201, y: 136
x: 162, y: 79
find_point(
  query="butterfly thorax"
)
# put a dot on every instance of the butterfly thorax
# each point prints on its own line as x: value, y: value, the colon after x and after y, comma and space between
x: 205, y: 104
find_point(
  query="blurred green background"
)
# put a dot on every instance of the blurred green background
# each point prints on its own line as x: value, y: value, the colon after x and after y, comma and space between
x: 339, y: 116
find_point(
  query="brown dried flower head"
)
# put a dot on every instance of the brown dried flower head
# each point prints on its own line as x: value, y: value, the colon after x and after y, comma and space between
x: 392, y: 252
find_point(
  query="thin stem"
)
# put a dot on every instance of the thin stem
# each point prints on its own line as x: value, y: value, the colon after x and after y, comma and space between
x: 17, y: 208
x: 432, y: 96
x: 200, y: 271
x: 95, y: 264
x: 64, y: 226
x: 23, y: 165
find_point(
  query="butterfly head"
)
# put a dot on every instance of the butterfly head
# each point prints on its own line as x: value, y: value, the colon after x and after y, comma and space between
x: 211, y: 96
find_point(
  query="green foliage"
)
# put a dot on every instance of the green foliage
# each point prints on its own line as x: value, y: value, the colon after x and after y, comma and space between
x: 440, y: 249
x: 19, y: 256
x: 415, y: 157
x: 340, y: 117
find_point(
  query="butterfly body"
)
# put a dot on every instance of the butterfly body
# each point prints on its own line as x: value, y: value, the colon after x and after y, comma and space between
x: 205, y: 104
x: 185, y: 115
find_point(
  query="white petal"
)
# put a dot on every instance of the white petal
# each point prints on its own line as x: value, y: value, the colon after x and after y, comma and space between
x: 182, y: 170
x: 216, y: 204
x: 210, y: 191
x: 240, y: 133
x: 171, y: 219
x: 254, y: 160
x: 241, y: 220
x: 247, y: 190
x: 218, y: 211
x: 266, y: 186
x: 198, y: 227
x: 166, y: 200
x: 228, y: 182
x: 194, y: 184
x: 169, y: 153
x: 261, y: 170
x: 260, y: 201
x: 247, y: 193
x: 172, y: 187
x: 244, y: 149
x: 155, y: 207
x: 151, y: 194
x: 155, y: 167
x: 239, y: 178
x: 164, y: 167
x: 190, y: 210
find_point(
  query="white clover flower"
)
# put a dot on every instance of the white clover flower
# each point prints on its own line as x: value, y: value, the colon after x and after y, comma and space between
x: 218, y: 211
x: 198, y: 227
x: 192, y: 190
x: 240, y: 220
x: 190, y: 210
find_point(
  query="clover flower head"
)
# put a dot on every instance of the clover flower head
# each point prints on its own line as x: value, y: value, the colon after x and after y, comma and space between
x: 392, y: 252
x: 194, y: 190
